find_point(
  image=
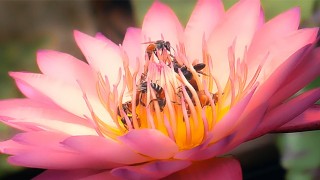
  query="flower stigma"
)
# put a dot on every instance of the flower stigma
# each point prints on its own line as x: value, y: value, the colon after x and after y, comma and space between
x: 179, y: 97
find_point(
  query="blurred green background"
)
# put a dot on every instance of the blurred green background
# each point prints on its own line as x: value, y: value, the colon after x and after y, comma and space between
x: 26, y: 26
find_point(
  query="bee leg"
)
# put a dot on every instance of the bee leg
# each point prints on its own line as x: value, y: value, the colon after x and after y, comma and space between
x: 142, y: 103
x: 200, y: 72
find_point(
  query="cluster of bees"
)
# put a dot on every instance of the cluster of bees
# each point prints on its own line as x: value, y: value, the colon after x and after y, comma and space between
x: 154, y: 48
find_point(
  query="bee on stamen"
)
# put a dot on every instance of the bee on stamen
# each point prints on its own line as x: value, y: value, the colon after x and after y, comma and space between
x: 187, y: 73
x: 159, y: 45
x: 127, y: 108
x: 160, y: 95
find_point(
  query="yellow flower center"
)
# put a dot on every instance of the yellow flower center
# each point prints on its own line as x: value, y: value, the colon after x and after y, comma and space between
x: 182, y: 100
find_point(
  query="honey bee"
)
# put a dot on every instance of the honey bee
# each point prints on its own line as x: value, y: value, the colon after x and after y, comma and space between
x: 141, y: 92
x: 127, y: 108
x: 160, y: 95
x: 158, y: 45
x: 187, y: 73
x: 204, y: 99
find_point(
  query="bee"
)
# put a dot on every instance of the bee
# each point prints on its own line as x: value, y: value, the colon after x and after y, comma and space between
x: 141, y: 92
x: 204, y: 99
x: 127, y: 108
x: 187, y: 73
x: 158, y: 45
x: 160, y: 95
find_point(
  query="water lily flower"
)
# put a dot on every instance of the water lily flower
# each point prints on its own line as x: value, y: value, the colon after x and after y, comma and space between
x: 168, y: 102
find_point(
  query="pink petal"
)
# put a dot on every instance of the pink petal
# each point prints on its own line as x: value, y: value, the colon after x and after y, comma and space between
x: 152, y: 170
x: 24, y: 142
x: 103, y: 57
x: 66, y: 174
x: 212, y: 150
x: 285, y: 24
x: 217, y: 169
x: 230, y: 30
x: 106, y: 149
x: 22, y: 126
x: 32, y: 93
x: 199, y: 25
x: 286, y: 112
x: 306, y: 71
x: 278, y: 54
x: 103, y: 38
x: 259, y: 102
x: 148, y: 142
x: 261, y: 21
x: 227, y: 124
x: 133, y: 47
x: 43, y: 150
x: 161, y: 20
x: 49, y: 159
x: 103, y: 175
x: 219, y: 137
x: 67, y: 96
x: 24, y: 113
x: 306, y: 121
x: 66, y: 67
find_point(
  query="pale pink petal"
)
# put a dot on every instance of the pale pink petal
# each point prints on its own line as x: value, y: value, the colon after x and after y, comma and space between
x: 152, y: 170
x: 200, y: 25
x: 306, y: 71
x: 160, y: 21
x: 22, y: 126
x: 102, y: 57
x: 279, y: 54
x: 285, y: 24
x: 286, y: 112
x: 103, y: 38
x: 68, y: 68
x: 106, y: 149
x: 306, y: 121
x: 132, y: 46
x: 66, y: 174
x: 148, y: 142
x: 67, y: 96
x: 32, y: 93
x: 228, y: 31
x: 23, y: 113
x: 259, y: 102
x: 217, y: 169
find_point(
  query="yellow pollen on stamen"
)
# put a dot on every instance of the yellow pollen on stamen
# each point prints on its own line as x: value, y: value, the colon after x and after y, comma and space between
x: 171, y: 95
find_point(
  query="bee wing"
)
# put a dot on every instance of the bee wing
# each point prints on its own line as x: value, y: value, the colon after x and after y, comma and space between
x: 199, y: 67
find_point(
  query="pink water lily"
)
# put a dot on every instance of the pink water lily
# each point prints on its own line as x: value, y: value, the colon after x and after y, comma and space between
x: 151, y: 109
